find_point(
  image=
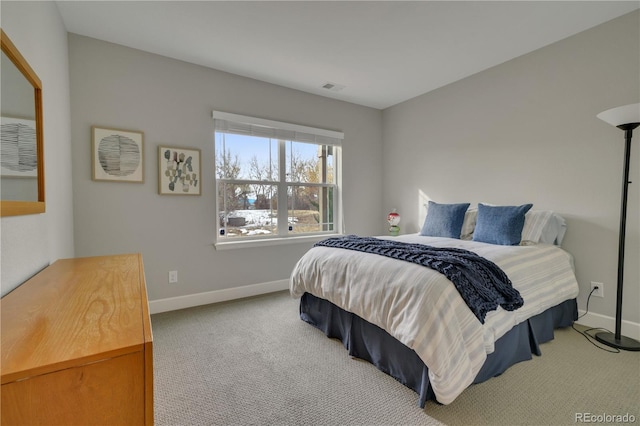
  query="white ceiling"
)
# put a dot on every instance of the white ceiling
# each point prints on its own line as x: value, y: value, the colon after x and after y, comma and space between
x: 382, y: 52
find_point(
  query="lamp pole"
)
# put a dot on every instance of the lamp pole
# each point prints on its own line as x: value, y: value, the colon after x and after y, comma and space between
x: 628, y: 132
x: 617, y: 340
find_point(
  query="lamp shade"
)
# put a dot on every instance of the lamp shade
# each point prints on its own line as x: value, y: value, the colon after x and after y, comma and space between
x: 621, y: 115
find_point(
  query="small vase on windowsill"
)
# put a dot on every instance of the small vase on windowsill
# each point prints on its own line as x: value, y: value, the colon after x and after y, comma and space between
x: 394, y: 219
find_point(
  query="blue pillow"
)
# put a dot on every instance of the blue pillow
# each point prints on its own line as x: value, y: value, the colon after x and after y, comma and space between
x: 500, y: 224
x: 444, y: 220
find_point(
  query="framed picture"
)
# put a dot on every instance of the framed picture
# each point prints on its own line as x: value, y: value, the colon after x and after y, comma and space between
x: 179, y: 171
x: 117, y: 155
x: 19, y: 150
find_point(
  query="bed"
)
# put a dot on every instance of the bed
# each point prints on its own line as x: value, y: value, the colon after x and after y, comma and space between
x: 410, y: 320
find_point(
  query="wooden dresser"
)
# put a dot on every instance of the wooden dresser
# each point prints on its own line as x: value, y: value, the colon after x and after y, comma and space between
x: 77, y: 345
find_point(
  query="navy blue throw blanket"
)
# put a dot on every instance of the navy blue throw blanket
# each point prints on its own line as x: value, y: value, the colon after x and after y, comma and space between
x: 480, y: 282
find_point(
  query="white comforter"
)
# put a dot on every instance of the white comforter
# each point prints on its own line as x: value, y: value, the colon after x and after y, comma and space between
x: 422, y: 309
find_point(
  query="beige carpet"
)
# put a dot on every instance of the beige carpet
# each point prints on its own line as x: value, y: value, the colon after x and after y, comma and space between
x: 254, y: 362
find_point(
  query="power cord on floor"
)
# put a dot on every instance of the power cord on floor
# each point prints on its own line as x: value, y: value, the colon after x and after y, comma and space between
x: 591, y: 339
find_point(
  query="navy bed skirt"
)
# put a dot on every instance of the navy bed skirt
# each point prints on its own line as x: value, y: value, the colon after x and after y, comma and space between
x: 371, y: 343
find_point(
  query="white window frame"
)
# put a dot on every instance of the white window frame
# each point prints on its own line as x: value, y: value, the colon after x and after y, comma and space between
x: 287, y: 131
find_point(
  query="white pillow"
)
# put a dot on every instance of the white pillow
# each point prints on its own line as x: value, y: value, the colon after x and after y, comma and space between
x: 469, y: 223
x: 543, y: 227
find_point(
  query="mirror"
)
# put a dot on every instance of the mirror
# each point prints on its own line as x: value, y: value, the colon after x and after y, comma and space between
x: 21, y: 132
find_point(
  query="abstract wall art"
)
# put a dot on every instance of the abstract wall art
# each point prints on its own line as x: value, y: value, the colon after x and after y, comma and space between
x: 18, y: 154
x: 179, y: 171
x: 117, y: 155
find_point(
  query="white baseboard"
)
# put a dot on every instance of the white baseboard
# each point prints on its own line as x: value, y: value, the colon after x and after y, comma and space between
x: 197, y: 299
x: 629, y: 329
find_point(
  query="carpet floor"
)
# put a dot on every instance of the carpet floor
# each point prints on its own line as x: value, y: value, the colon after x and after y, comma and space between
x: 254, y: 362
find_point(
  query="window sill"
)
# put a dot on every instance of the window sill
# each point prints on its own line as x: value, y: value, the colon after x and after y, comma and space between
x: 233, y: 245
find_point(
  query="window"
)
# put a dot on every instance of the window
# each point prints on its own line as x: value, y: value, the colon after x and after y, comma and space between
x: 275, y: 180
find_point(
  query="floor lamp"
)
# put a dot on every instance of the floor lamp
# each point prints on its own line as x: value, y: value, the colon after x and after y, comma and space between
x: 626, y: 118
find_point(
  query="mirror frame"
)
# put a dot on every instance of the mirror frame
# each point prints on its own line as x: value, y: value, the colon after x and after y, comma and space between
x: 15, y: 208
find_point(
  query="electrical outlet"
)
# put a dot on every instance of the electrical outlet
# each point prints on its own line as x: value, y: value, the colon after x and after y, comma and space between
x: 600, y: 291
x: 173, y: 277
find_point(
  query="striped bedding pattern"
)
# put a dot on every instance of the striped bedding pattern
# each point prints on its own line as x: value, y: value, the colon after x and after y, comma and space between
x: 422, y: 309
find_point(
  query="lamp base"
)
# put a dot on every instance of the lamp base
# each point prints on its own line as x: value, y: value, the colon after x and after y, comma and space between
x: 625, y: 343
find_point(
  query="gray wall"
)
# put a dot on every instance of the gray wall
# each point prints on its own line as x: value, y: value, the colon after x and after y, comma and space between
x: 526, y: 131
x: 171, y: 102
x: 31, y: 242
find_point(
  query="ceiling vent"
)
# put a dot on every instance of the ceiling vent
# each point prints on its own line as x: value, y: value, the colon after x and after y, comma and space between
x: 333, y: 87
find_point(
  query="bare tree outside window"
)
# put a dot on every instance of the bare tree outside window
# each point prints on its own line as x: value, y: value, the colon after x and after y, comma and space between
x: 272, y: 186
